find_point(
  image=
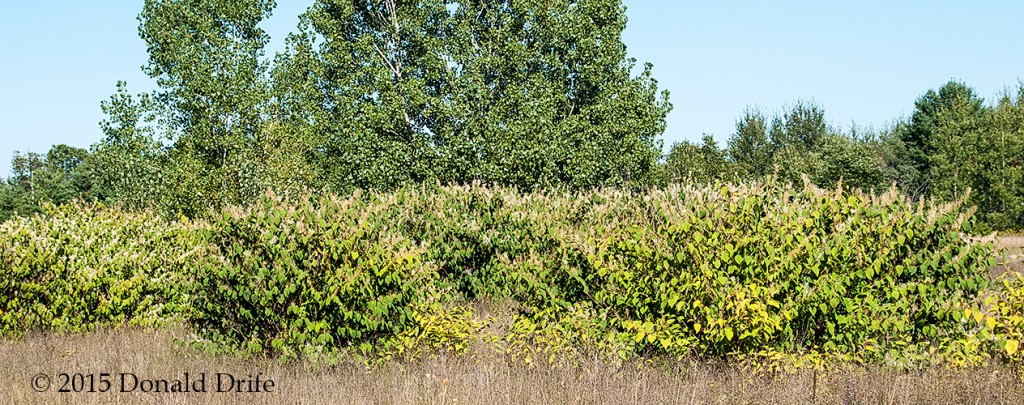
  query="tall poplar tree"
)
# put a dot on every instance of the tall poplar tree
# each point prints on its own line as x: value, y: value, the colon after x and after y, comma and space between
x: 207, y: 59
x: 524, y: 93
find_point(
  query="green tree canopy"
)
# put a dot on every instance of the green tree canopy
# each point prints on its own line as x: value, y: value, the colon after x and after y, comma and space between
x: 997, y: 169
x: 748, y: 148
x: 702, y: 163
x: 857, y: 162
x: 802, y: 127
x: 61, y: 175
x: 207, y: 59
x: 523, y: 93
x: 939, y: 137
x: 129, y: 161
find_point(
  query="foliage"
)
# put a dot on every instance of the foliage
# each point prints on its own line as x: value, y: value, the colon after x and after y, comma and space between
x: 739, y: 269
x: 129, y: 159
x: 722, y: 270
x: 526, y: 94
x: 939, y: 131
x: 206, y: 56
x: 998, y: 177
x: 798, y: 142
x: 795, y: 139
x: 953, y: 142
x: 703, y: 164
x: 83, y: 266
x: 1005, y: 322
x: 956, y: 142
x: 515, y: 93
x: 372, y: 96
x: 532, y: 110
x: 19, y: 194
x: 296, y: 279
x: 435, y: 328
x: 748, y: 147
x: 855, y: 162
x: 60, y: 176
x: 802, y: 127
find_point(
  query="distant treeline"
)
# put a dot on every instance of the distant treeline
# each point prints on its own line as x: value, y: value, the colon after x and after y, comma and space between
x: 376, y: 95
x: 952, y: 142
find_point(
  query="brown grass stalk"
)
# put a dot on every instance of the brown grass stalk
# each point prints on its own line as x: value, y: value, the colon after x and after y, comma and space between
x: 442, y: 379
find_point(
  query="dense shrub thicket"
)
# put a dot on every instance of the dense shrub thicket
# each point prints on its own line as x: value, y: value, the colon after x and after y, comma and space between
x: 288, y: 277
x: 83, y: 266
x: 719, y: 270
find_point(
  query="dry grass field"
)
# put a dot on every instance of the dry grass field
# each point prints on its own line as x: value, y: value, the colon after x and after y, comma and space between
x: 443, y: 380
x: 1012, y: 247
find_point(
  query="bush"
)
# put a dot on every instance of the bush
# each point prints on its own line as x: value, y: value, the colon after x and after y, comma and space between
x: 1003, y: 322
x: 302, y: 278
x: 751, y: 270
x: 82, y: 266
x: 738, y: 269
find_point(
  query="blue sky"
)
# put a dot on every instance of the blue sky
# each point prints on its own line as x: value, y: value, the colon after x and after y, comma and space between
x: 864, y: 61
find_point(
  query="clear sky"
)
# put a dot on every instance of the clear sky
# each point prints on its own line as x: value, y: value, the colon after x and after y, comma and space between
x: 864, y: 61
